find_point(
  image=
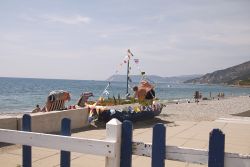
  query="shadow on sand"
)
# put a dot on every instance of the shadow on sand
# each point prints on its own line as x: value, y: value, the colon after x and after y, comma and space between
x: 149, y: 123
x: 243, y: 114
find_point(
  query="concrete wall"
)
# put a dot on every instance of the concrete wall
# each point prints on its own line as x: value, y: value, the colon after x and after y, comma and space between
x: 51, y: 121
x: 8, y: 122
x: 48, y: 122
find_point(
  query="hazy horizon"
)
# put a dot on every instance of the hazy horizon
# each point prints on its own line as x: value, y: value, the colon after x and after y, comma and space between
x: 96, y: 79
x: 88, y: 40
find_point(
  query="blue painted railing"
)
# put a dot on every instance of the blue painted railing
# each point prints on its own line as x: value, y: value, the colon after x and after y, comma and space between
x: 216, y: 145
x: 65, y: 131
x: 26, y: 126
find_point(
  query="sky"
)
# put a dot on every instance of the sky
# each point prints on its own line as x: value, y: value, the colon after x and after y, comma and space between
x: 88, y: 40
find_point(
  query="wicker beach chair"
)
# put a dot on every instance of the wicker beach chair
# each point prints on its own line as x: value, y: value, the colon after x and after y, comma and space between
x: 84, y: 98
x: 56, y: 101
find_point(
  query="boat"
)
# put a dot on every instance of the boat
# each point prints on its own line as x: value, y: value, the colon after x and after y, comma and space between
x: 129, y: 108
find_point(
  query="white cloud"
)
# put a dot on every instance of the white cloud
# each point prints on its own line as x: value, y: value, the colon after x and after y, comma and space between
x: 72, y: 20
x: 77, y: 19
x: 28, y: 18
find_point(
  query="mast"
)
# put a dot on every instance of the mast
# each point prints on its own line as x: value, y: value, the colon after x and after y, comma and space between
x: 127, y: 77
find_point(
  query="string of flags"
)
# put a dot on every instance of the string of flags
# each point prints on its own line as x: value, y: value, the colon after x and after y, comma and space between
x: 129, y: 57
x: 106, y: 92
x: 136, y: 61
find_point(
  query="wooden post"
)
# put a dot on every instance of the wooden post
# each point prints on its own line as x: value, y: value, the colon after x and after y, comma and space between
x: 26, y: 126
x: 126, y: 144
x: 113, y: 133
x: 159, y: 146
x: 216, y: 148
x: 65, y: 131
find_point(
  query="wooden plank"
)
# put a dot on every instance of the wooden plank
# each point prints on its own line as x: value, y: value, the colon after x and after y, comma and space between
x: 65, y: 131
x: 196, y: 156
x: 113, y: 133
x: 66, y: 143
x: 158, y: 146
x: 27, y: 154
x: 187, y: 155
x: 126, y: 145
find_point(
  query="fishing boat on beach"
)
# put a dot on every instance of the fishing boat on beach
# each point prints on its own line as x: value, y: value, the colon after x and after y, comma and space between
x: 143, y: 105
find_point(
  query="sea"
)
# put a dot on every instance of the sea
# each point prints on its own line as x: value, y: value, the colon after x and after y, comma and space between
x: 23, y: 94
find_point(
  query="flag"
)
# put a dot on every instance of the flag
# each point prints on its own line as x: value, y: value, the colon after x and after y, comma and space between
x: 129, y: 54
x: 106, y: 92
x: 136, y: 61
x: 129, y: 79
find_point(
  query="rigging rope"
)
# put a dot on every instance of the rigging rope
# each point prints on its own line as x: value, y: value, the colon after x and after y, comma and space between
x: 125, y: 60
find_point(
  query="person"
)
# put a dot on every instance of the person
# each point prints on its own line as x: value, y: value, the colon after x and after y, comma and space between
x: 37, y: 109
x: 197, y: 96
x: 144, y: 92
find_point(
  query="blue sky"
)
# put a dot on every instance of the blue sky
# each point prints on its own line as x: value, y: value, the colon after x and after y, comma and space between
x: 88, y: 39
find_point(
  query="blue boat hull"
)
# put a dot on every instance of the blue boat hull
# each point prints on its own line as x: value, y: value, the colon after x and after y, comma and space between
x: 124, y: 115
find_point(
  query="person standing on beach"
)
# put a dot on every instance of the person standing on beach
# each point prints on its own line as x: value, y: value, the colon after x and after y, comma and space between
x: 197, y: 96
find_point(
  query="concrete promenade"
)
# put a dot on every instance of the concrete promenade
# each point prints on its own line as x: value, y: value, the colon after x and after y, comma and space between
x: 179, y: 133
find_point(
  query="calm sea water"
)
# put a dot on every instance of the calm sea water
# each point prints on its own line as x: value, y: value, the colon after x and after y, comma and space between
x: 22, y: 94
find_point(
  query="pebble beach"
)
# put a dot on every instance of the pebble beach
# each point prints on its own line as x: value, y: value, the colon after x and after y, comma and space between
x: 208, y: 110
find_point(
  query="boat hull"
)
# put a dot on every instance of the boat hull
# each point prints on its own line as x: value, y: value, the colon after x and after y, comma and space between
x: 131, y: 116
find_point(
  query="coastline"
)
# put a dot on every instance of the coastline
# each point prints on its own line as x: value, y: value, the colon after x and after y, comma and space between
x: 181, y: 110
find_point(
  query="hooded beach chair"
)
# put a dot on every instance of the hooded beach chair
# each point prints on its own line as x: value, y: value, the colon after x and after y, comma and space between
x: 56, y: 100
x: 84, y: 98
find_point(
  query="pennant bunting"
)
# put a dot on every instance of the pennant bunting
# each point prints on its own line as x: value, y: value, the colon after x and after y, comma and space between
x: 129, y: 79
x: 130, y: 54
x: 106, y: 92
x: 136, y: 61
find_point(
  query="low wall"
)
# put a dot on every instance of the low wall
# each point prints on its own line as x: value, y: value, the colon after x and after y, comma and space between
x: 48, y: 122
x: 8, y: 122
x: 51, y: 121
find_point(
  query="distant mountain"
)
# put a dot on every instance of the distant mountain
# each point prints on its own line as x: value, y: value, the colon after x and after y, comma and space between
x: 231, y: 76
x: 155, y: 78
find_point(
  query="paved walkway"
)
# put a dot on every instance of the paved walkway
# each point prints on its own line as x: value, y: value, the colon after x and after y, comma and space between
x: 185, y: 134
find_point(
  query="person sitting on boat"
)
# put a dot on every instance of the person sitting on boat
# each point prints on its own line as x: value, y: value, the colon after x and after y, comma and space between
x: 144, y: 92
